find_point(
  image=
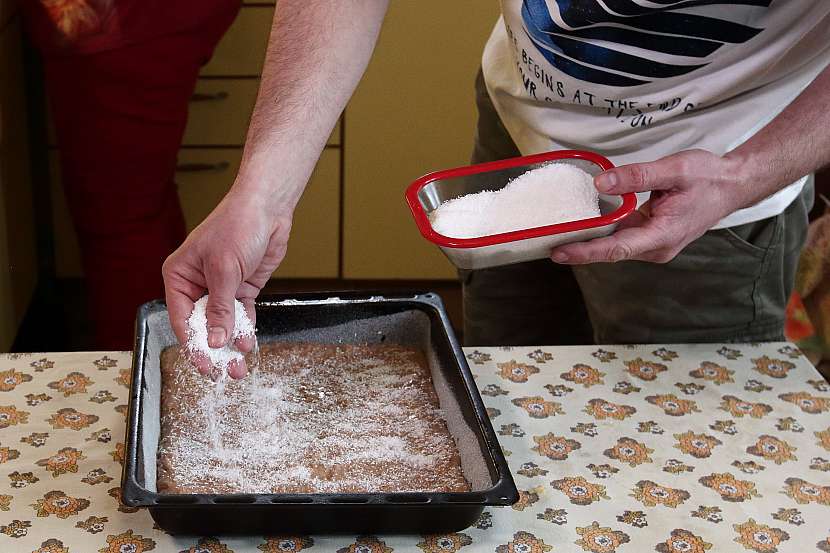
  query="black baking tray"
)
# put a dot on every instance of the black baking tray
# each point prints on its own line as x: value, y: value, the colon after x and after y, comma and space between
x: 337, y: 316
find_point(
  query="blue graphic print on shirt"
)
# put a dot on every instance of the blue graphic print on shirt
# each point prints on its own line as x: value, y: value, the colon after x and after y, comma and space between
x: 665, y: 31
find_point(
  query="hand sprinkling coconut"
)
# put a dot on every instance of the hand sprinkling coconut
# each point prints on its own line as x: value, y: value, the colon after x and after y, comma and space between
x: 227, y: 359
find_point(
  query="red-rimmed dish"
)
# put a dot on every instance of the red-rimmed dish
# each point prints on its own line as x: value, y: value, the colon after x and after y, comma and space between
x: 428, y: 192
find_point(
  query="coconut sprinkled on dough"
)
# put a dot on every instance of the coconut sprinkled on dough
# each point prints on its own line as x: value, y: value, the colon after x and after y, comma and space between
x: 312, y: 418
x: 198, y: 334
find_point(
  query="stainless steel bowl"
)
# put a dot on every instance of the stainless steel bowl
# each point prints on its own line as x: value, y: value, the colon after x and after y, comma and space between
x: 427, y: 193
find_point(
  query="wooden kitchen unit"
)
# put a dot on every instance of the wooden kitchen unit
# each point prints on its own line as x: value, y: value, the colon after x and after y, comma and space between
x: 352, y: 222
x: 414, y: 112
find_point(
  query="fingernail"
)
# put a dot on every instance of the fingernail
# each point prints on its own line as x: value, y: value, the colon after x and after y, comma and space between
x: 606, y: 182
x: 560, y: 257
x: 217, y: 337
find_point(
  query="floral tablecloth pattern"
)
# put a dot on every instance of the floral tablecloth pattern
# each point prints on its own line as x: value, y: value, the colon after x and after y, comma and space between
x: 674, y: 449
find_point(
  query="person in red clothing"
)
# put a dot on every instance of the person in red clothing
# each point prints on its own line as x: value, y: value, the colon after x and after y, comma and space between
x: 119, y: 75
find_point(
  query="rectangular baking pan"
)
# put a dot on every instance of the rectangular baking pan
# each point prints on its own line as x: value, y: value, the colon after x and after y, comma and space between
x: 417, y: 319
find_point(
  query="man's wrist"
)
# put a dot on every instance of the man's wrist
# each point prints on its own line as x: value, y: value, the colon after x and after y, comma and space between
x: 745, y: 179
x: 273, y: 186
x: 256, y: 197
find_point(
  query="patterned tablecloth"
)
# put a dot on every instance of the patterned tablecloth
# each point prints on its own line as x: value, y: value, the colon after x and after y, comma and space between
x: 633, y: 449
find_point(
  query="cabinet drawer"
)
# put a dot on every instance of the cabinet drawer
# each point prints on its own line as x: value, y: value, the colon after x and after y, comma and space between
x: 242, y: 50
x: 219, y: 113
x: 220, y: 110
x: 204, y: 177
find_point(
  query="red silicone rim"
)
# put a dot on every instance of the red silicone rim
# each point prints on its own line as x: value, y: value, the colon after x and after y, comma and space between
x: 629, y: 203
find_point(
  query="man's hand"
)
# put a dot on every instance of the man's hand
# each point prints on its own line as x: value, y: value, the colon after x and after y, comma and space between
x: 690, y: 192
x: 693, y: 190
x: 233, y: 254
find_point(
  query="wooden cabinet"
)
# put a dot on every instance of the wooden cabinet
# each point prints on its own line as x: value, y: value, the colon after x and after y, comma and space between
x: 414, y: 112
x: 205, y: 175
x: 18, y: 264
x: 220, y: 110
x: 217, y: 125
x: 211, y: 151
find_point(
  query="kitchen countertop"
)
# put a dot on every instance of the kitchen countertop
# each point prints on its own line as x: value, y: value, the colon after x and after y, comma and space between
x: 686, y: 448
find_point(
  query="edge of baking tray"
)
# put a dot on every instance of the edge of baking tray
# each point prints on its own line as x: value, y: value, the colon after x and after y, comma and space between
x: 503, y: 491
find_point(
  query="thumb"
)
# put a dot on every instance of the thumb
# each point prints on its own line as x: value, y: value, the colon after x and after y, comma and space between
x: 222, y: 283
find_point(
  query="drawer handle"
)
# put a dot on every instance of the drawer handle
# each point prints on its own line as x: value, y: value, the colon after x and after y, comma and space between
x: 201, y: 167
x: 209, y: 96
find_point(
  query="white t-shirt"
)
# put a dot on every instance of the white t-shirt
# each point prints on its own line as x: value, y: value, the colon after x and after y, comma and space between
x: 636, y: 80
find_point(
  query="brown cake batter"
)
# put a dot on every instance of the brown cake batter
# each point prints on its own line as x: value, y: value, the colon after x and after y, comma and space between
x: 312, y: 418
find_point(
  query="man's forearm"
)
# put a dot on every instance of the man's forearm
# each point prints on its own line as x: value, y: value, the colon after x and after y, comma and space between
x: 795, y: 143
x: 317, y: 52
